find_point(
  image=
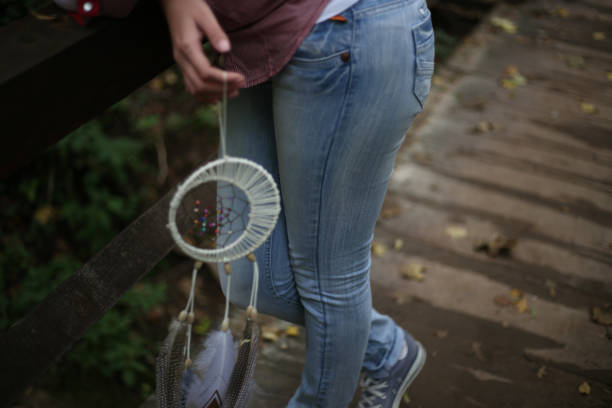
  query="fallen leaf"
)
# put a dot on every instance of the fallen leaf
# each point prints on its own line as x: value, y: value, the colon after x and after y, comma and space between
x: 609, y: 75
x: 156, y: 84
x: 503, y: 23
x: 477, y: 350
x: 599, y: 36
x: 516, y: 293
x: 401, y: 298
x: 484, y: 127
x: 422, y: 157
x: 170, y: 77
x: 584, y: 388
x: 442, y: 333
x: 552, y: 287
x: 378, y: 249
x: 390, y: 209
x: 292, y: 331
x: 456, y: 231
x: 541, y: 372
x: 502, y: 300
x: 575, y: 61
x: 499, y: 245
x: 562, y: 12
x: 521, y: 305
x: 511, y: 70
x: 406, y: 398
x: 269, y: 333
x: 602, y: 316
x: 398, y: 244
x: 413, y: 271
x: 44, y: 214
x: 589, y: 108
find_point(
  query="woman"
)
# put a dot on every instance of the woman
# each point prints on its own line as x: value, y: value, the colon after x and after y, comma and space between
x: 327, y: 125
x: 333, y: 85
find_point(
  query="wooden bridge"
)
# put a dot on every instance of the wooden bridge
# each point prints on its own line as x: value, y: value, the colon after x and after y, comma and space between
x: 494, y: 247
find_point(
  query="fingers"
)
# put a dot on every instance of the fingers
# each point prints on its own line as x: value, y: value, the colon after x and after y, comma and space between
x: 208, y: 23
x: 189, y: 22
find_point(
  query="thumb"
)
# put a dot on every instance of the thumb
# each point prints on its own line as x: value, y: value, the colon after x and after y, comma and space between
x: 213, y: 31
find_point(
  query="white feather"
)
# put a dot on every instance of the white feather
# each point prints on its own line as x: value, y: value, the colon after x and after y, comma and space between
x: 212, y: 369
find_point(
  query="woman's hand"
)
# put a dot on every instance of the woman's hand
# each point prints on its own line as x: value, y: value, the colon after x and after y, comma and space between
x: 191, y: 21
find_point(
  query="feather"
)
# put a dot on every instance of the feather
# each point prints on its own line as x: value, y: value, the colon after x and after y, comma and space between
x: 242, y: 382
x: 212, y: 369
x: 170, y: 365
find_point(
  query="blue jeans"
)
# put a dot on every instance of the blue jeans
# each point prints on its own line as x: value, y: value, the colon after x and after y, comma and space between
x: 328, y: 128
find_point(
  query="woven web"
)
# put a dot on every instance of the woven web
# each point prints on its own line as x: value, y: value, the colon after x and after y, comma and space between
x: 214, y: 215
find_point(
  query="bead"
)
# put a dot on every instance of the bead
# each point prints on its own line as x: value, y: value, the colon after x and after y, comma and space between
x: 195, y: 221
x: 196, y: 209
x: 251, y: 257
x: 190, y: 317
x: 182, y: 316
x: 197, y: 202
x: 197, y: 264
x: 251, y: 313
x: 188, y: 363
x: 225, y: 325
x: 228, y: 268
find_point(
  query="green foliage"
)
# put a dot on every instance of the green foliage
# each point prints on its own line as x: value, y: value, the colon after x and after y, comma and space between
x: 55, y: 215
x: 113, y: 346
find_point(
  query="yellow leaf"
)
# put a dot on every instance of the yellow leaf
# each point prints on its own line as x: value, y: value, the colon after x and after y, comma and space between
x: 398, y: 244
x: 156, y: 84
x: 503, y: 23
x: 456, y: 232
x: 378, y: 249
x: 44, y: 214
x: 292, y: 331
x: 511, y: 70
x: 599, y: 36
x: 508, y: 84
x: 589, y: 108
x: 269, y: 333
x: 441, y: 333
x: 542, y: 372
x: 516, y: 293
x: 563, y: 12
x: 521, y: 305
x: 584, y: 388
x: 413, y: 271
x: 609, y: 75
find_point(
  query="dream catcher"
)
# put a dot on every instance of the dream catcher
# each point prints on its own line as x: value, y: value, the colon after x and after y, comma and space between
x: 239, y: 220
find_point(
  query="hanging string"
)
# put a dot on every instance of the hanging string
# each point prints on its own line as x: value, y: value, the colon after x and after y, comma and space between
x: 222, y: 114
x: 187, y: 314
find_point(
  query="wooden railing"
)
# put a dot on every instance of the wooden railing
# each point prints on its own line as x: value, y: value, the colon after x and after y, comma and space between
x: 54, y: 76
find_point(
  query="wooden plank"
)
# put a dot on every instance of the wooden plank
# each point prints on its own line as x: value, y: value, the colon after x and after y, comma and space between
x: 32, y: 344
x: 57, y: 75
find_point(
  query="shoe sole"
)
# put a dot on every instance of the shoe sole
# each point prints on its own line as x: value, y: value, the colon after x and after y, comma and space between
x: 419, y: 362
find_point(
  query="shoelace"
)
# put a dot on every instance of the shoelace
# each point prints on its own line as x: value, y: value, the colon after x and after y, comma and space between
x: 371, y: 390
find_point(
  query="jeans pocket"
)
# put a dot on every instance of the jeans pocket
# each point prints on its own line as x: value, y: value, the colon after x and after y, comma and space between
x: 423, y: 36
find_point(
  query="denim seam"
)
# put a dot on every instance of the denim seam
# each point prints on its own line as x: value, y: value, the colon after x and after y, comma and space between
x: 321, y: 393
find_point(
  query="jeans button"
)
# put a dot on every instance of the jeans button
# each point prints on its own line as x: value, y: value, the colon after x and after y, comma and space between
x: 345, y: 56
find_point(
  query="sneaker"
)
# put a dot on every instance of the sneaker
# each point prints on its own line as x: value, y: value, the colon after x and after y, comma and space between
x: 388, y: 392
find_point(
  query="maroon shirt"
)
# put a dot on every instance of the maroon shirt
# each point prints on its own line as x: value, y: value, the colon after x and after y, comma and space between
x: 264, y: 33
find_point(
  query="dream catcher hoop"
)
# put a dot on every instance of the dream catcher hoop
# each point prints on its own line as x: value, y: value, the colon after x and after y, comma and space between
x: 243, y: 217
